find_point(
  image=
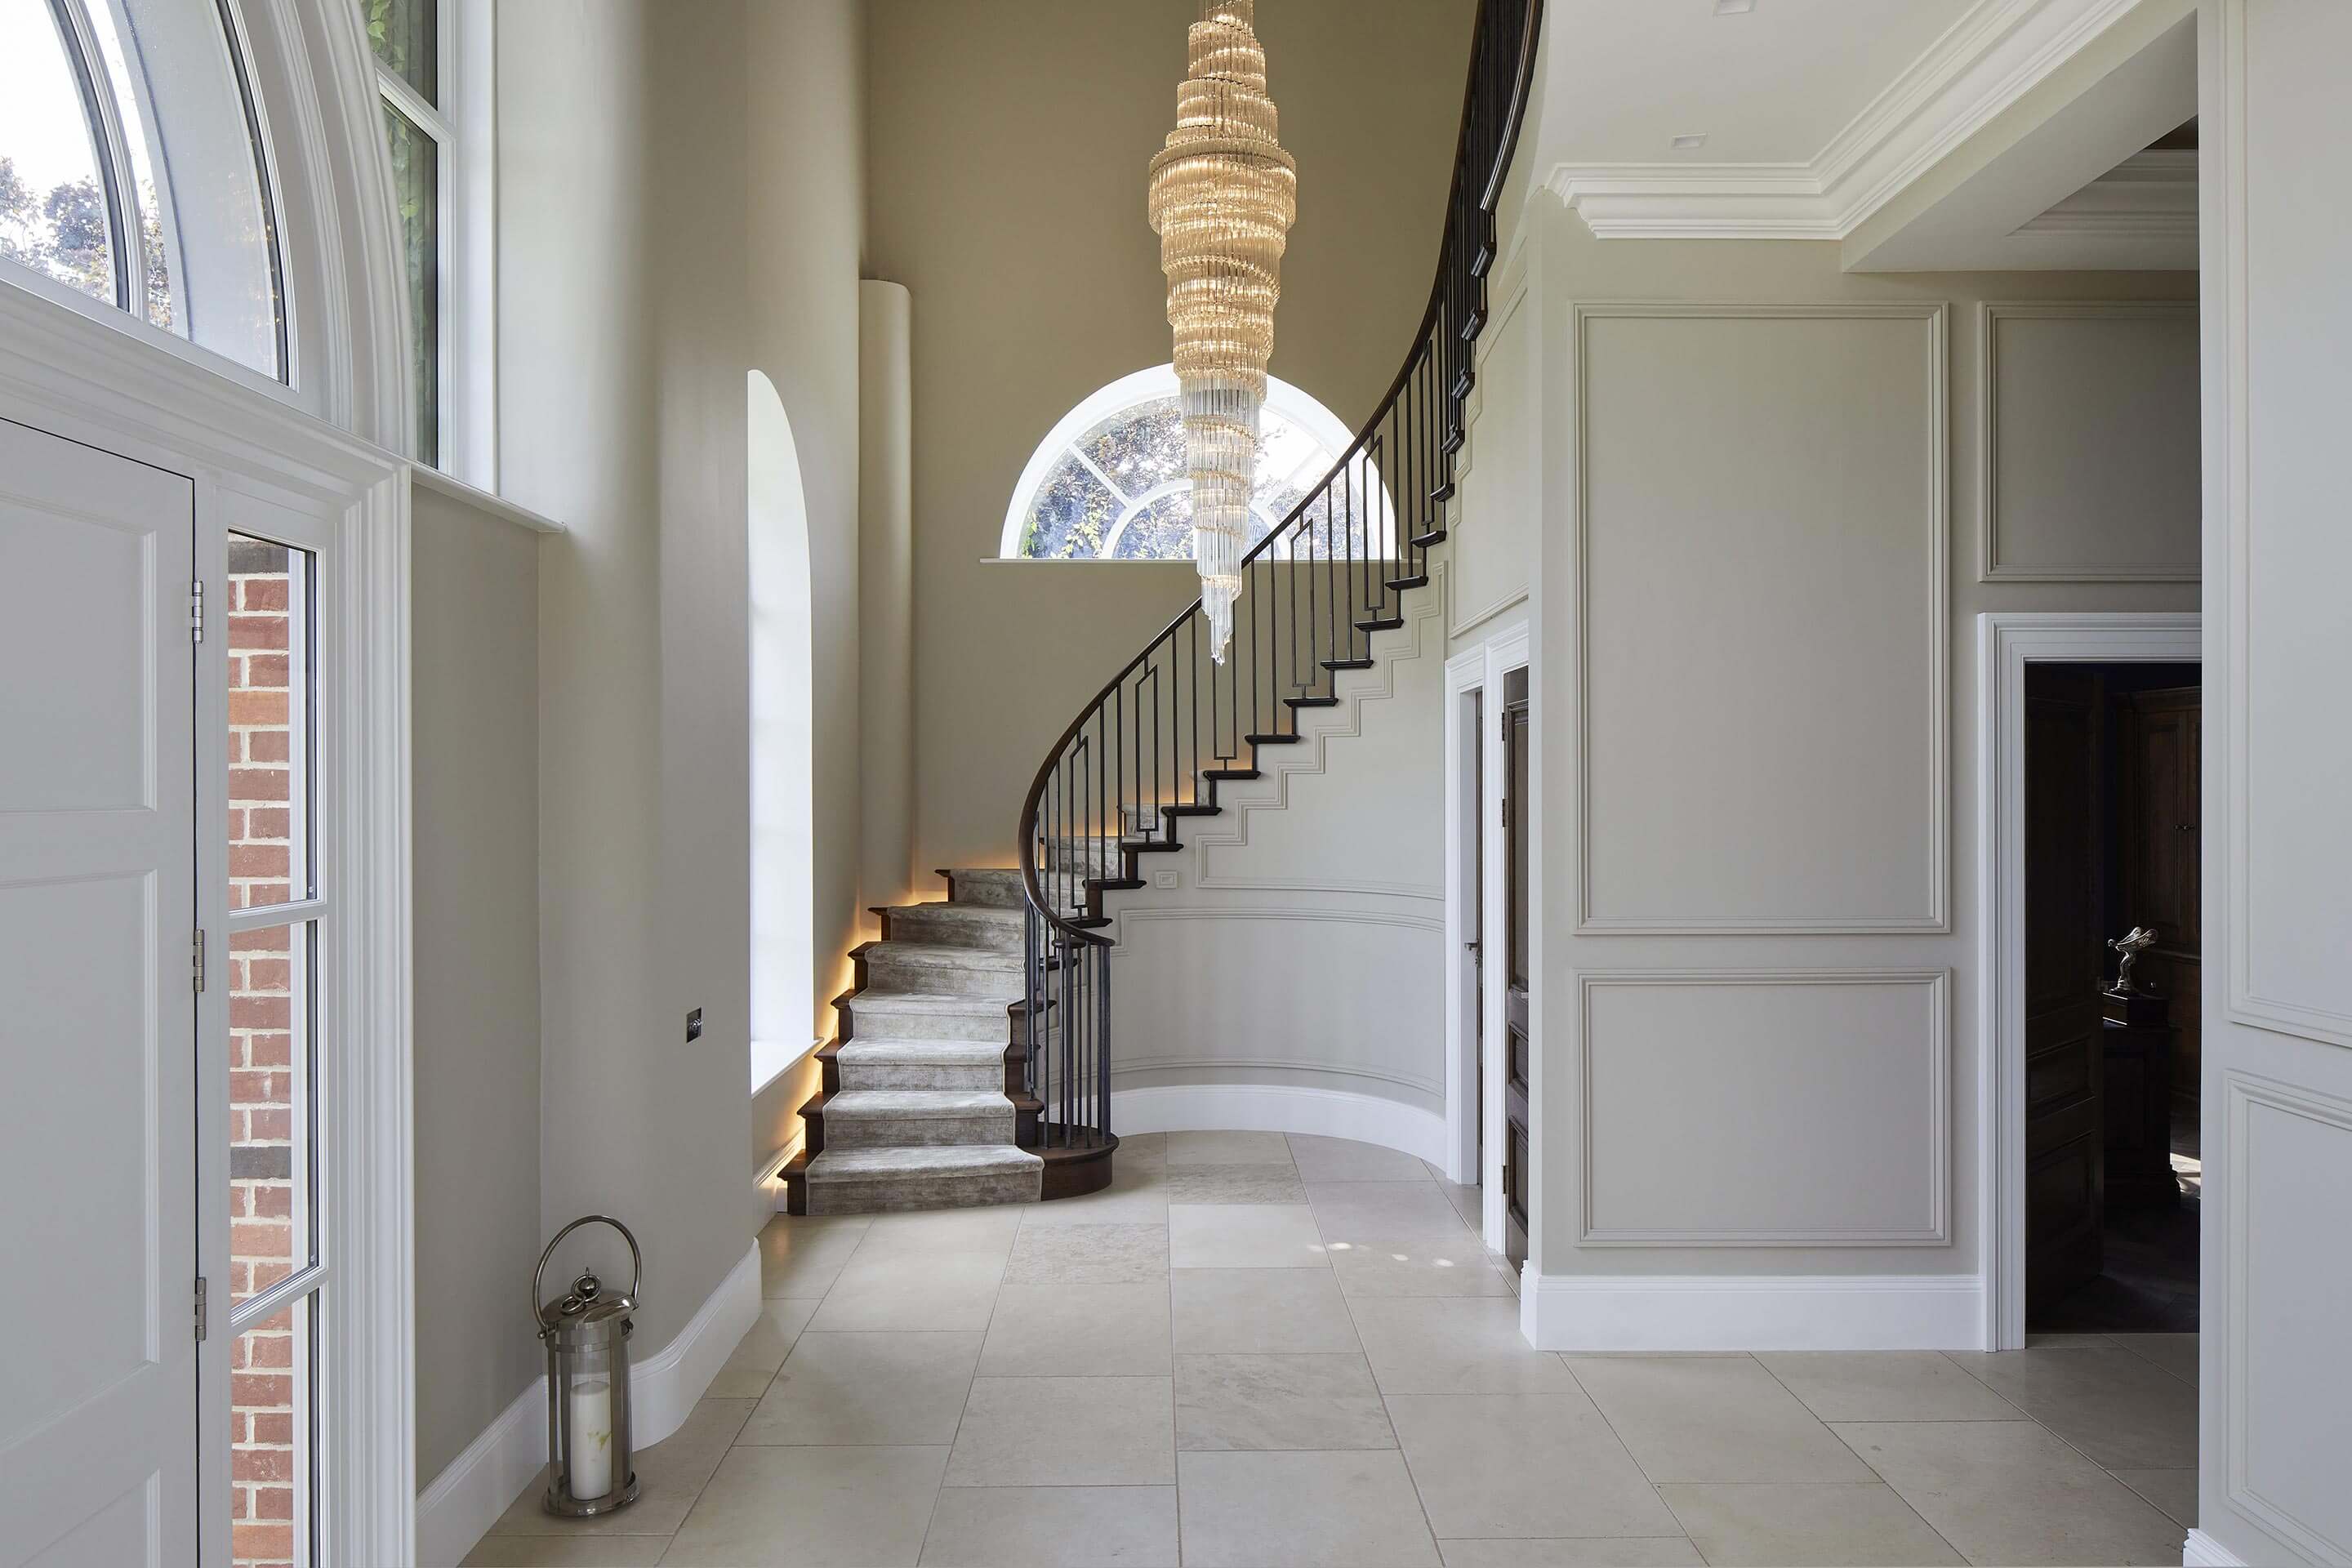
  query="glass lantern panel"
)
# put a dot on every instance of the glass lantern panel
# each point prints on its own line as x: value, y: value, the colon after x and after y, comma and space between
x: 53, y: 209
x: 272, y: 1049
x: 272, y: 1373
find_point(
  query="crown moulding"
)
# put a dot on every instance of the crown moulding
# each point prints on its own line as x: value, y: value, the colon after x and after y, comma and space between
x: 1995, y: 54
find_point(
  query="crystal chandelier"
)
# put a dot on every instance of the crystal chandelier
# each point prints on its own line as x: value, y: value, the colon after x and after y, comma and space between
x: 1222, y: 197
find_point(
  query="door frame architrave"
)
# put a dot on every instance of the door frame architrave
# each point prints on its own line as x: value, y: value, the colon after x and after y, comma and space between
x: 2007, y: 641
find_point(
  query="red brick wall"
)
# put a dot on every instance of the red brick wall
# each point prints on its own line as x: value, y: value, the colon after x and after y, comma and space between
x: 266, y: 1054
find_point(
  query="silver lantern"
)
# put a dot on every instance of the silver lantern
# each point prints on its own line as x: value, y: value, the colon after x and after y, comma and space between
x: 586, y: 1329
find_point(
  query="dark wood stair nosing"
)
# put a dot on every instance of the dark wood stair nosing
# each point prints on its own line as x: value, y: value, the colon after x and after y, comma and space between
x: 1382, y: 624
x: 1423, y: 541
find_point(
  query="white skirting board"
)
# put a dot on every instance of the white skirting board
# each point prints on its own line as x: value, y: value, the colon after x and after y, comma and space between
x: 1752, y: 1312
x: 466, y: 1498
x: 2203, y: 1552
x: 1277, y: 1108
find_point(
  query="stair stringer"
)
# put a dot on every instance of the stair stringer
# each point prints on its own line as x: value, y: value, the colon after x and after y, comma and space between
x: 1313, y: 760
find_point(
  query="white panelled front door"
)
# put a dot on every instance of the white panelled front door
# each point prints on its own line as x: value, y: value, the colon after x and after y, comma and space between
x: 2276, y: 1376
x: 98, y: 1379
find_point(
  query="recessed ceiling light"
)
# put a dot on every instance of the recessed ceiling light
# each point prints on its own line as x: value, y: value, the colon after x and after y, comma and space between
x: 1733, y: 7
x: 1685, y: 144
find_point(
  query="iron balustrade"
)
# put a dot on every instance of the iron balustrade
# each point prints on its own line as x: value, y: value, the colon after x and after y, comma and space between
x: 1173, y: 724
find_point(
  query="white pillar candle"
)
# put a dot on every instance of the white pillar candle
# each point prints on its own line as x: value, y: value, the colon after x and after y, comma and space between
x: 592, y: 1438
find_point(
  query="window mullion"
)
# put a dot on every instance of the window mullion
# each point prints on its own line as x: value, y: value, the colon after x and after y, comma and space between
x: 268, y: 1304
x: 411, y: 103
x: 105, y: 139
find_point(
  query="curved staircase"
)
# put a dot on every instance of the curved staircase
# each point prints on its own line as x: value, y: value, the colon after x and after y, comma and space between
x: 973, y: 1064
x: 923, y: 1102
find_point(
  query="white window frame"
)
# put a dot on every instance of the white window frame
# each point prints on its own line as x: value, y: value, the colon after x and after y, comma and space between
x: 465, y: 183
x: 1290, y: 403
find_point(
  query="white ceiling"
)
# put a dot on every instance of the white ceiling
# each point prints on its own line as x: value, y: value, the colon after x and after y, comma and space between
x: 1771, y: 86
x: 1833, y: 119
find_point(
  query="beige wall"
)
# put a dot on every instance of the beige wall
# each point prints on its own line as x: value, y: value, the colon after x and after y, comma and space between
x: 474, y: 805
x: 664, y: 230
x: 1755, y: 553
x: 1005, y: 190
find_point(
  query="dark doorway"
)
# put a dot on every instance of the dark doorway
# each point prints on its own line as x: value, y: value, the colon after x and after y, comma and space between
x: 1516, y: 718
x: 2113, y: 1176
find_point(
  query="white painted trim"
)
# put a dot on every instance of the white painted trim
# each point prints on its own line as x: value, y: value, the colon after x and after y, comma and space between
x: 1990, y: 313
x: 480, y: 1484
x: 1276, y: 1107
x: 1466, y: 676
x: 1597, y: 1312
x: 456, y: 490
x: 1937, y: 920
x: 2006, y: 642
x: 1986, y: 62
x: 2201, y: 1551
x: 1936, y: 1232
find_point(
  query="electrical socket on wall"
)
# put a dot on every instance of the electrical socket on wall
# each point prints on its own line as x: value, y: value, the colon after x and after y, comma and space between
x: 1167, y: 878
x: 694, y: 1026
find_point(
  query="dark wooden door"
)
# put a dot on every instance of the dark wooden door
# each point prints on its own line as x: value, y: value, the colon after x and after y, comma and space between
x: 2163, y: 880
x: 2065, y: 1163
x: 1516, y: 1174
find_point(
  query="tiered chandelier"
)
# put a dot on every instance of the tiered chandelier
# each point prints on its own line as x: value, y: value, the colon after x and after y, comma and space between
x: 1223, y: 194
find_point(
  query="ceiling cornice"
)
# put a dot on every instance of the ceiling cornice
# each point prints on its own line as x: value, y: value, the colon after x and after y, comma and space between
x: 2148, y: 196
x: 1995, y: 54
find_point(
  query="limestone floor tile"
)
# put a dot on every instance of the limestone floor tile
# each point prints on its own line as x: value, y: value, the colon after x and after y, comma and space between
x: 1142, y: 1151
x: 1352, y: 1509
x: 1345, y: 1160
x: 1260, y: 1310
x: 1268, y: 1401
x: 1365, y: 1212
x: 1886, y: 1385
x: 800, y: 1257
x: 1089, y: 1254
x: 2176, y: 1353
x: 762, y: 1348
x: 1713, y: 1418
x: 1421, y: 1344
x: 1430, y: 1269
x: 670, y: 1474
x: 2173, y: 1491
x: 1468, y: 1206
x: 1133, y: 1198
x: 1532, y: 1465
x: 813, y: 1508
x: 913, y: 1290
x: 1066, y: 1432
x: 567, y: 1552
x: 1597, y: 1551
x: 1844, y: 1522
x: 2069, y: 1341
x: 1227, y: 1149
x: 1243, y: 1236
x: 2010, y: 1492
x: 1079, y: 1330
x: 973, y: 1230
x: 2123, y: 1410
x: 1254, y: 1184
x: 1052, y: 1527
x: 841, y: 1389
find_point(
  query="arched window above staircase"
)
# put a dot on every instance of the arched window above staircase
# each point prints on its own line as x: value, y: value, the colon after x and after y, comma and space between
x: 1109, y: 481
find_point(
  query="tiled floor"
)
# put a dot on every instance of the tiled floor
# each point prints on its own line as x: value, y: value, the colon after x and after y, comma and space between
x: 1255, y: 1350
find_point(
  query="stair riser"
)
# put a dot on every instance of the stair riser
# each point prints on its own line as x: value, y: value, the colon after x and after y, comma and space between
x: 919, y: 1075
x: 996, y: 890
x: 979, y: 927
x: 903, y: 1131
x: 888, y: 971
x: 892, y: 1194
x: 990, y: 1023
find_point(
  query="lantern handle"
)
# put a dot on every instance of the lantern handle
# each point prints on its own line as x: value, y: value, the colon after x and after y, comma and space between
x: 636, y: 1260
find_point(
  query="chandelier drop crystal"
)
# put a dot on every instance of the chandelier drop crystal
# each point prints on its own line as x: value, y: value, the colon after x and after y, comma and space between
x: 1223, y: 194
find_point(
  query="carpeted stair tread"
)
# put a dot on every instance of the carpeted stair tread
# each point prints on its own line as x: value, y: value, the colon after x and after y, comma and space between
x: 913, y: 1104
x: 935, y: 1160
x: 881, y: 1052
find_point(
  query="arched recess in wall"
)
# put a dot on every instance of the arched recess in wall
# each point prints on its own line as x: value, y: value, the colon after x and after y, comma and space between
x: 784, y: 739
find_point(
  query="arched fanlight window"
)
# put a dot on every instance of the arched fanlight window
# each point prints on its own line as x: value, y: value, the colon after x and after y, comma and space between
x: 1109, y: 482
x: 133, y: 171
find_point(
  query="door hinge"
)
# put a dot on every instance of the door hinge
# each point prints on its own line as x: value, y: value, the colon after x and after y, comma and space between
x: 196, y: 610
x: 200, y: 1324
x: 199, y: 958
